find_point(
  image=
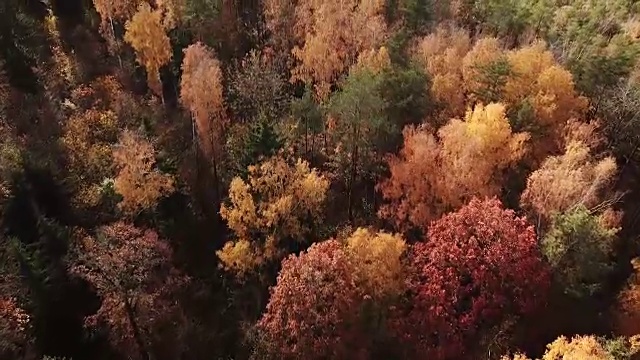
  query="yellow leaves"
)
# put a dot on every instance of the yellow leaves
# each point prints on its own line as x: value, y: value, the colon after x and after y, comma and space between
x: 146, y: 34
x: 139, y: 183
x: 201, y: 91
x: 335, y: 32
x: 278, y: 202
x: 573, y: 178
x: 377, y: 261
x: 373, y: 60
x: 484, y: 52
x: 433, y: 176
x: 476, y: 149
x: 550, y: 88
x: 579, y: 348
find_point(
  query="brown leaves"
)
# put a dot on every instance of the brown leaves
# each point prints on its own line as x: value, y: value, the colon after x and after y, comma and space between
x: 147, y: 35
x: 139, y: 183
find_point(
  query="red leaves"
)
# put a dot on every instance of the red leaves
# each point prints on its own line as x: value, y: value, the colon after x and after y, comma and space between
x: 312, y: 312
x: 479, y: 266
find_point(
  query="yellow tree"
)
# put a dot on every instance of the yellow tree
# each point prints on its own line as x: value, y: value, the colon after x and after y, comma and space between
x: 481, y: 72
x: 201, y: 92
x: 584, y: 348
x: 573, y: 178
x: 147, y: 35
x: 278, y: 202
x: 441, y: 54
x: 336, y: 31
x: 138, y: 182
x: 434, y: 176
x: 377, y: 260
x: 538, y: 80
x: 87, y: 140
x: 475, y: 151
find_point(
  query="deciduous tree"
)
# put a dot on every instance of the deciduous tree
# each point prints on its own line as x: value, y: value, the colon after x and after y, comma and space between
x: 571, y: 179
x: 313, y: 310
x: 579, y: 248
x: 139, y: 183
x: 131, y: 270
x: 277, y: 203
x: 479, y: 267
x: 147, y: 35
x: 335, y: 32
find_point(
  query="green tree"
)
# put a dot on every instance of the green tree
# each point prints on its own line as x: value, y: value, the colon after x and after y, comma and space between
x: 579, y: 249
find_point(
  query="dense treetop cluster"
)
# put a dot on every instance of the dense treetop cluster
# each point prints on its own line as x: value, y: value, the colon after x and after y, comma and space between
x: 320, y: 179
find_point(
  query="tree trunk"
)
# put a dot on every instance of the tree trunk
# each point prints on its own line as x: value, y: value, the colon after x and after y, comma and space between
x: 144, y: 354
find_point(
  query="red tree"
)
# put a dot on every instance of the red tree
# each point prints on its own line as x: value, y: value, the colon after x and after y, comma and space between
x: 312, y: 313
x: 480, y: 267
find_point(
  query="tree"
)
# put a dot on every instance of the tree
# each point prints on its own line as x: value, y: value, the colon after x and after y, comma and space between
x: 588, y: 348
x: 579, y: 249
x: 147, y: 35
x: 87, y: 140
x: 358, y: 124
x: 475, y: 151
x: 568, y: 180
x: 377, y: 259
x: 139, y: 184
x: 432, y: 176
x: 537, y: 80
x: 334, y: 33
x: 480, y: 267
x: 131, y: 270
x: 441, y: 54
x: 313, y: 310
x: 277, y: 206
x: 14, y: 323
x: 411, y: 191
x: 201, y: 92
x: 258, y: 88
x: 626, y: 310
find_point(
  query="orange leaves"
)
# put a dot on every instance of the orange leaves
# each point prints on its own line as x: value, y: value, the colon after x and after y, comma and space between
x: 432, y: 176
x: 140, y: 185
x: 147, y: 35
x: 627, y: 310
x: 278, y: 202
x: 334, y: 33
x: 201, y: 92
x: 475, y: 151
x: 574, y: 178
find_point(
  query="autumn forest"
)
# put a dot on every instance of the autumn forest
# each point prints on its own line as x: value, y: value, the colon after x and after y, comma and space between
x: 319, y: 179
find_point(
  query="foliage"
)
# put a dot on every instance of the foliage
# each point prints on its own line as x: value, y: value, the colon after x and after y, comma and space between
x: 334, y: 33
x: 627, y: 307
x: 488, y: 268
x: 14, y: 323
x: 147, y: 35
x: 277, y: 204
x: 258, y: 88
x: 201, y: 92
x: 131, y: 270
x: 312, y: 312
x: 586, y: 347
x: 432, y: 176
x: 377, y: 259
x: 579, y: 249
x: 565, y: 181
x: 139, y: 183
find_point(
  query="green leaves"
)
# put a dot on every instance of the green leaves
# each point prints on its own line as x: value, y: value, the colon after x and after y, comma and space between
x: 579, y: 249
